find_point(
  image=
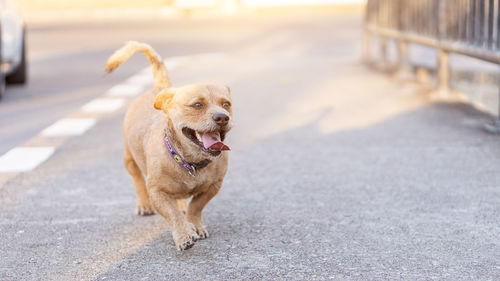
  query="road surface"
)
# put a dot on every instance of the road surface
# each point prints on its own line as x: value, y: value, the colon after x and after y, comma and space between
x: 336, y: 172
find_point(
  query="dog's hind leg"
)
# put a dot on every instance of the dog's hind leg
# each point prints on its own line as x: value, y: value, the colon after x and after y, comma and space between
x: 144, y: 207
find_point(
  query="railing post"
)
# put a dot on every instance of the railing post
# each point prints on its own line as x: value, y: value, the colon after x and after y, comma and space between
x: 367, y: 46
x: 404, y: 71
x: 494, y: 127
x: 443, y: 75
x: 443, y: 72
x: 404, y: 67
x: 383, y: 65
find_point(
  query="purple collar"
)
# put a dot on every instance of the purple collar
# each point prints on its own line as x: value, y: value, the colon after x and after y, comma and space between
x: 189, y: 167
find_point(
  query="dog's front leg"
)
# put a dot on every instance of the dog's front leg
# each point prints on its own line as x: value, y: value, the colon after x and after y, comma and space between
x: 183, y: 232
x: 196, y: 206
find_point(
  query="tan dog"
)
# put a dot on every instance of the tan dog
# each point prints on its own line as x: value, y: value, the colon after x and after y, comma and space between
x: 192, y: 120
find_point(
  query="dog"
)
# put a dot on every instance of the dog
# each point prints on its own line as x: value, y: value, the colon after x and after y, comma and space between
x: 174, y: 146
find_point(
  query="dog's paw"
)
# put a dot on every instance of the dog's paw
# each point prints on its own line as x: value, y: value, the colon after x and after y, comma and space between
x: 186, y: 238
x: 186, y: 245
x: 202, y: 232
x: 144, y: 210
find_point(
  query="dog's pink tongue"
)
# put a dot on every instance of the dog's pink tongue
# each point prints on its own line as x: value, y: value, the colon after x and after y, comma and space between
x: 212, y: 141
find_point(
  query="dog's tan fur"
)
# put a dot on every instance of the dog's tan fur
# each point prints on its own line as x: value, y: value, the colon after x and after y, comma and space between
x: 160, y: 183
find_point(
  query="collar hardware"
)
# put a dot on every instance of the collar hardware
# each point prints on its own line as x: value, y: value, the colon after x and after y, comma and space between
x: 189, y: 167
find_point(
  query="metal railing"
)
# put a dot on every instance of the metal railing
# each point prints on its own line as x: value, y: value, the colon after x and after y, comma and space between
x: 466, y: 27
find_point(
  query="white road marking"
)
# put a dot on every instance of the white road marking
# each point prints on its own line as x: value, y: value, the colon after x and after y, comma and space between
x: 69, y: 127
x: 125, y: 90
x: 22, y: 159
x: 103, y: 105
x: 142, y: 79
x: 175, y: 62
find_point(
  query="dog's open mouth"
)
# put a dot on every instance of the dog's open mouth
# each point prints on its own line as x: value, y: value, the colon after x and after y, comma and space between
x: 209, y: 142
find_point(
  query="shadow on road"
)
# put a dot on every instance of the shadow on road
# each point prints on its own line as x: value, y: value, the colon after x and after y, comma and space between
x: 336, y: 173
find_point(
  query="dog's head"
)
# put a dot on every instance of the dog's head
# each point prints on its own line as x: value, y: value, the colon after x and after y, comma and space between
x: 200, y: 113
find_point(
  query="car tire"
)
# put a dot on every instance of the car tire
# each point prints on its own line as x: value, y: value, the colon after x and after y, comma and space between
x: 2, y: 84
x: 2, y: 75
x: 19, y: 76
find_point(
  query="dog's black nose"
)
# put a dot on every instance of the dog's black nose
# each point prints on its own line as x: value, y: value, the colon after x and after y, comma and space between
x: 221, y: 119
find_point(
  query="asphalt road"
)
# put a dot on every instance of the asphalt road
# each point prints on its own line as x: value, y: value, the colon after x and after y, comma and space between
x: 336, y: 172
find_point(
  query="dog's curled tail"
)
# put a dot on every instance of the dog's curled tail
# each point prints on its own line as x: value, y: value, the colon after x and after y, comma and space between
x: 132, y: 47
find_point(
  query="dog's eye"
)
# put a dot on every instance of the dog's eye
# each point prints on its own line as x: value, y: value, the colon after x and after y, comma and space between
x: 226, y: 104
x: 197, y: 105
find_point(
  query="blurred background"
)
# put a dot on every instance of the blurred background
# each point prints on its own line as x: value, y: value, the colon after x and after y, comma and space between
x: 362, y: 146
x: 68, y: 42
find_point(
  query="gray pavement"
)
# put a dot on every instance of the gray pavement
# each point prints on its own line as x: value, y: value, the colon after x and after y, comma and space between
x: 336, y: 172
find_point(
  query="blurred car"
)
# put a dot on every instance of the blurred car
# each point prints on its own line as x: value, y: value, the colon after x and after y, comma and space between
x: 12, y: 50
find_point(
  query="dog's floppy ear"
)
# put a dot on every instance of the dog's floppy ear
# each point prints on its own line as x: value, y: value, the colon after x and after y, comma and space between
x: 163, y: 98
